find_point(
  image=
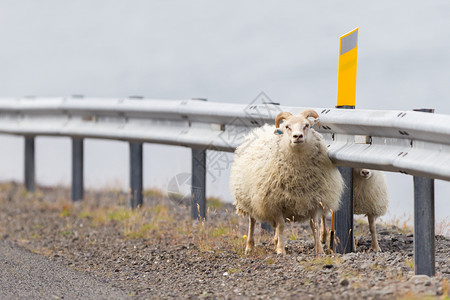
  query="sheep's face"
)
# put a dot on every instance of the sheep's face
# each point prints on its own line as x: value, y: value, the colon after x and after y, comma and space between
x: 296, y: 129
x: 364, y: 173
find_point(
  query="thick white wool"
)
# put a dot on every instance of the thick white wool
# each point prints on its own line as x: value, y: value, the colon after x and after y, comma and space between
x: 268, y: 178
x: 370, y: 195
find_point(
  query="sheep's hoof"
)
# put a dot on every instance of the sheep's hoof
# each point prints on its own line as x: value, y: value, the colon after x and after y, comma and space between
x: 275, y: 245
x: 319, y: 251
x: 375, y: 249
x: 281, y: 251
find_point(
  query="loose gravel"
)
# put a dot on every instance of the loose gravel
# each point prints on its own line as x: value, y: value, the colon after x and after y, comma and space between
x: 158, y: 252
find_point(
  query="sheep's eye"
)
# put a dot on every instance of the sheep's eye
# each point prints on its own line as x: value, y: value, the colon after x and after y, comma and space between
x: 306, y: 126
x: 288, y: 128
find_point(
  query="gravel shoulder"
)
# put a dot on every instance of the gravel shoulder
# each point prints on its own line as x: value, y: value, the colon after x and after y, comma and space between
x: 158, y: 252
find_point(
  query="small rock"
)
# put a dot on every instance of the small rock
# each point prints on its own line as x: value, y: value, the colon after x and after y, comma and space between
x: 327, y: 295
x: 419, y: 279
x: 301, y: 258
x: 344, y: 282
x: 349, y: 256
x: 364, y: 266
x: 226, y: 274
x: 386, y: 291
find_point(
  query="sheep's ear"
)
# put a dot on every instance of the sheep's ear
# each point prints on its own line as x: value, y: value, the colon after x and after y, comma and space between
x: 313, y: 121
x: 278, y: 131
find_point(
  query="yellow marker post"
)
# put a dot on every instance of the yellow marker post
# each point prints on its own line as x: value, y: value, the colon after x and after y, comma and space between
x: 346, y: 96
x: 348, y: 53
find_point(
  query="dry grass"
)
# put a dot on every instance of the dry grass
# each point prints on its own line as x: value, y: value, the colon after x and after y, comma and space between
x: 402, y: 223
x: 158, y: 221
x: 445, y: 289
x: 410, y: 263
x: 140, y: 223
x: 319, y: 262
x: 414, y: 296
x: 443, y: 227
x: 214, y: 203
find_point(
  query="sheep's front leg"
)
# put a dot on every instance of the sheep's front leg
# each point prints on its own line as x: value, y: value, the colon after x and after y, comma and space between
x: 323, y: 230
x: 278, y: 240
x: 373, y: 232
x: 314, y: 222
x: 250, y: 237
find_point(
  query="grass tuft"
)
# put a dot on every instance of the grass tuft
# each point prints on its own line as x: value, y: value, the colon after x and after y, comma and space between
x: 214, y: 203
x: 409, y: 262
x: 119, y: 215
x: 66, y: 210
x: 154, y: 193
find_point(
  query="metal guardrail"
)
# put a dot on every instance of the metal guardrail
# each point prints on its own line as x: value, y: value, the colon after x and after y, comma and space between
x: 399, y: 141
x: 409, y: 142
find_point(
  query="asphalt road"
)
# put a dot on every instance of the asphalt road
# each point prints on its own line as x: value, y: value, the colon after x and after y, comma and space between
x: 26, y: 275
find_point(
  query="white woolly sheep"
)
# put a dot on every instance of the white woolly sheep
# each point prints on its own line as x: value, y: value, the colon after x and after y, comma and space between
x: 286, y: 175
x: 370, y: 198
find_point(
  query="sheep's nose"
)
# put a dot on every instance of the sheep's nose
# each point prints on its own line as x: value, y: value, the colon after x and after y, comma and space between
x: 365, y: 172
x: 297, y: 136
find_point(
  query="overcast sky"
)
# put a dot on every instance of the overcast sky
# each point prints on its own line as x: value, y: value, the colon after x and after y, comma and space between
x: 226, y: 51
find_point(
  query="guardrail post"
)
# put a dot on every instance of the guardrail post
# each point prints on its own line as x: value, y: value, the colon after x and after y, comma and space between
x: 29, y: 164
x: 266, y: 226
x: 198, y: 184
x: 136, y: 174
x: 77, y: 169
x: 344, y: 216
x: 424, y: 248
